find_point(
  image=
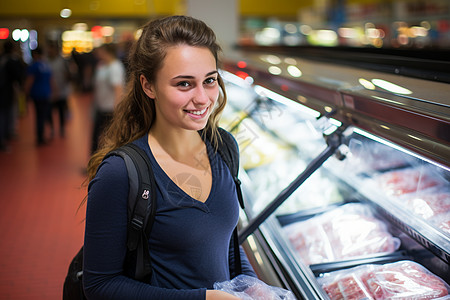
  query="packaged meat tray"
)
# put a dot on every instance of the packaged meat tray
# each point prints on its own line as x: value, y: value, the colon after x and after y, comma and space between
x: 442, y: 221
x: 400, y: 182
x: 346, y: 232
x: 429, y: 205
x: 400, y: 280
x: 432, y: 205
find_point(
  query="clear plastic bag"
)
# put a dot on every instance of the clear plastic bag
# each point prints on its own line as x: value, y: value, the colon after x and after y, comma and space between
x: 410, y: 180
x: 346, y: 232
x: 250, y: 288
x: 399, y: 280
x: 432, y: 205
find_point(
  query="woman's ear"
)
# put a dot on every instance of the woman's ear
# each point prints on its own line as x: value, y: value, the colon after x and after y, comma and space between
x: 147, y: 87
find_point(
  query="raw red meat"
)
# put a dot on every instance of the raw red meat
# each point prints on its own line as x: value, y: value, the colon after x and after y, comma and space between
x: 346, y: 232
x: 349, y: 287
x: 429, y: 205
x: 407, y: 181
x: 432, y: 205
x: 401, y: 280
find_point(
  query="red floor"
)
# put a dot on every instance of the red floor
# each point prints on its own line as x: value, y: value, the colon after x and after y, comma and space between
x: 40, y: 190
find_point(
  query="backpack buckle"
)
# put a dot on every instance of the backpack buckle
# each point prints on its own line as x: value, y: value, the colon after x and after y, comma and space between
x: 137, y: 224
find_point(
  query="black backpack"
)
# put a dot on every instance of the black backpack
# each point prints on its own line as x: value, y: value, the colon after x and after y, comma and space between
x: 142, y: 209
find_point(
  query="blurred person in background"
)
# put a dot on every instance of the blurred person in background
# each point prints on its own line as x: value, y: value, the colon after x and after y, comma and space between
x: 84, y: 65
x: 11, y: 75
x: 38, y: 87
x: 175, y: 91
x: 109, y: 82
x: 61, y: 78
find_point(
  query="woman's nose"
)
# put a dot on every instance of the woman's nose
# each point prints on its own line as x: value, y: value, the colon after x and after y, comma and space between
x: 201, y: 96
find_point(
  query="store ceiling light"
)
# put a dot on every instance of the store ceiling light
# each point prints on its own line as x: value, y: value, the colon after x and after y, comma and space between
x: 20, y: 34
x: 274, y: 70
x: 271, y: 59
x: 25, y: 35
x: 366, y: 83
x: 290, y: 28
x: 16, y: 34
x: 290, y: 61
x: 389, y: 86
x: 65, y: 13
x: 294, y: 71
x: 305, y: 29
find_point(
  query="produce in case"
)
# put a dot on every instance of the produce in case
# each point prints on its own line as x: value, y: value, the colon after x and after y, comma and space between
x: 348, y: 231
x: 399, y: 280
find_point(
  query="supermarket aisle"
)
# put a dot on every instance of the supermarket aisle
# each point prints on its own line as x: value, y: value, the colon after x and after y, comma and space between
x: 40, y: 190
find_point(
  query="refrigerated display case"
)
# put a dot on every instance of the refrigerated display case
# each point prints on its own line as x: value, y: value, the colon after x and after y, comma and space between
x: 343, y: 170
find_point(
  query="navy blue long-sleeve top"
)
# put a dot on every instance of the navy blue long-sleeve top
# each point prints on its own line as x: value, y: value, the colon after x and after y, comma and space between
x: 189, y: 243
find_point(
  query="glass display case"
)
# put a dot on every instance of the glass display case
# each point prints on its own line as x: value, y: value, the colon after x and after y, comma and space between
x: 346, y: 184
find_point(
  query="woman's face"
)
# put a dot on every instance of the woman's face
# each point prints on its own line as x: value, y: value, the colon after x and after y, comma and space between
x: 186, y: 88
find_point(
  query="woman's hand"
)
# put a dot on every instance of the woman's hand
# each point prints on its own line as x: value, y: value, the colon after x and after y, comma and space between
x: 219, y: 295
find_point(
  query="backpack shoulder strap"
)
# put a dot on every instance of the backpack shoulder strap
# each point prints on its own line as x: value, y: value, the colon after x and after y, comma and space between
x: 141, y: 207
x: 229, y: 150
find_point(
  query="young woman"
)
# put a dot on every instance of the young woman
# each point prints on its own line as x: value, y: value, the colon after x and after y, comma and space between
x: 175, y: 90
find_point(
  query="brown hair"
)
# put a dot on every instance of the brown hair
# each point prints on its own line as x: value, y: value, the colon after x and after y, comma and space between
x: 135, y: 114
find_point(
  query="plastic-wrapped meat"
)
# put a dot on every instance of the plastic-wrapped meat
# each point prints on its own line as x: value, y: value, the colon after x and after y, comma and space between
x: 429, y: 205
x: 406, y: 181
x: 442, y: 222
x: 346, y: 232
x: 432, y: 205
x: 445, y: 226
x: 349, y: 287
x: 401, y: 280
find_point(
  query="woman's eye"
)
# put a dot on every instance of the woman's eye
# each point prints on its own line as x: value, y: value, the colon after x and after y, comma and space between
x: 210, y: 81
x: 183, y: 84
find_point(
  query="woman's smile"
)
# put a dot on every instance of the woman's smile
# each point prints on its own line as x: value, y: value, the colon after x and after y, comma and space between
x: 198, y: 114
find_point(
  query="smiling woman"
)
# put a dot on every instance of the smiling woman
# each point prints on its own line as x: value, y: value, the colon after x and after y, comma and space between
x: 186, y: 89
x: 175, y: 96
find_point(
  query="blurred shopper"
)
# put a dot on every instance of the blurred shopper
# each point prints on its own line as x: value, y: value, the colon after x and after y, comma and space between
x: 108, y: 89
x: 175, y: 91
x: 61, y: 88
x: 38, y: 87
x: 11, y: 74
x: 84, y: 64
